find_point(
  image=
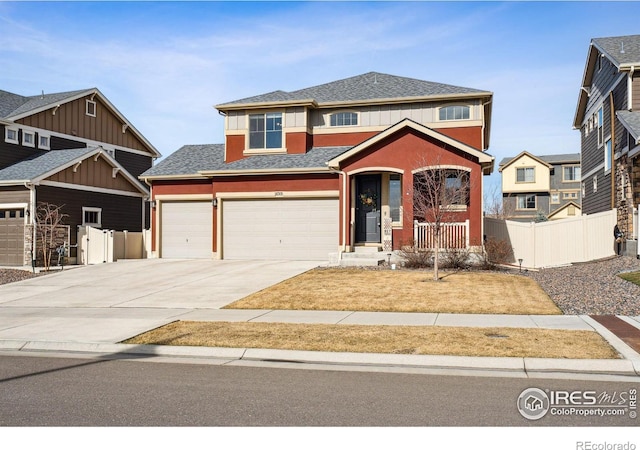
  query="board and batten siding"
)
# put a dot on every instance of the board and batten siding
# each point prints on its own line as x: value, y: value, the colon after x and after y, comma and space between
x: 635, y: 92
x: 71, y: 119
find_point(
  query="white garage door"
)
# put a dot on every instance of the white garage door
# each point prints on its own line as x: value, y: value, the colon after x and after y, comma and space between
x: 292, y: 229
x: 187, y: 229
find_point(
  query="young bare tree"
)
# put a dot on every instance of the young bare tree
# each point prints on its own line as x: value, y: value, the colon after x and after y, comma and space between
x: 48, y: 219
x: 440, y: 193
x: 498, y: 207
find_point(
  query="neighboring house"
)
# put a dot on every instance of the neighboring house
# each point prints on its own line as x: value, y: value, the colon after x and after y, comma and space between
x: 608, y: 117
x: 73, y: 149
x: 319, y: 170
x: 536, y: 188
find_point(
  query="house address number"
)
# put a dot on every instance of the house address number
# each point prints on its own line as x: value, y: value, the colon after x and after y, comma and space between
x: 279, y: 193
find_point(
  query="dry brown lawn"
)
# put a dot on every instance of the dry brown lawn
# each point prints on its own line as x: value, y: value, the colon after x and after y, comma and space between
x: 415, y: 340
x: 404, y: 291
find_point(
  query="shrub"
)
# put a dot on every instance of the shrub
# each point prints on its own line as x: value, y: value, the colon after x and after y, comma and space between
x: 456, y: 258
x: 497, y: 252
x: 415, y: 258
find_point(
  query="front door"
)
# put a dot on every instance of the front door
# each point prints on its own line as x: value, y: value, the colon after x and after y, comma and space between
x: 368, y: 208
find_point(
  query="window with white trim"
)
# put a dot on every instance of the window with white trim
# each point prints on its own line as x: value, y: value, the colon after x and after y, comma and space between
x: 265, y: 130
x: 91, y: 108
x: 92, y: 216
x: 525, y: 175
x: 28, y: 138
x: 454, y: 112
x: 343, y: 119
x: 44, y: 142
x: 11, y: 135
x: 600, y: 125
x: 607, y: 155
x: 527, y: 201
x: 571, y: 173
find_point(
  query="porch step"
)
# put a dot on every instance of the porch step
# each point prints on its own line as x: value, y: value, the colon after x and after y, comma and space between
x: 371, y: 257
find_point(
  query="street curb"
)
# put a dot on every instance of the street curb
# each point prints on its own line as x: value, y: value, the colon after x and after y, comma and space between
x: 618, y: 344
x: 492, y: 364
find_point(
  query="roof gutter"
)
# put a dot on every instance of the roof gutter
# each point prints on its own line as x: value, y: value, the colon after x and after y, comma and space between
x: 240, y: 172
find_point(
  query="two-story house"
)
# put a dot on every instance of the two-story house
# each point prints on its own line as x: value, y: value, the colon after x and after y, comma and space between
x: 536, y: 188
x: 608, y: 117
x: 71, y: 149
x: 320, y: 170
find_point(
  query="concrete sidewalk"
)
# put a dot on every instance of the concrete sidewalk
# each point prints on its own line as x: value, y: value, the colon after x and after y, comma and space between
x: 91, y: 309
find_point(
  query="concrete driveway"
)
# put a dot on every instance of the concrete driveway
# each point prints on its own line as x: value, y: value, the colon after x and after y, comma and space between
x: 111, y: 302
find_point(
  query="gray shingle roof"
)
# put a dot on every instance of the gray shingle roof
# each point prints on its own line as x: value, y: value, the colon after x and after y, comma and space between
x: 621, y: 49
x: 192, y: 159
x: 42, y: 163
x: 14, y: 104
x: 631, y: 121
x: 188, y: 160
x: 367, y: 87
x: 314, y: 158
x: 551, y: 159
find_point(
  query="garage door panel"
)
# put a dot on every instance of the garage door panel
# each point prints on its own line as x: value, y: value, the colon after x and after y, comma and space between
x: 296, y: 229
x: 187, y: 229
x: 12, y: 241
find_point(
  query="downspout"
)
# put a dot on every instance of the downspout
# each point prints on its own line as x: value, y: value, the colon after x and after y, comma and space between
x: 483, y: 125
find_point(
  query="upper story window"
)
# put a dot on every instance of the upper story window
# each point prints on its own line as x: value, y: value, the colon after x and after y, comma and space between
x: 44, y: 142
x: 525, y: 175
x: 571, y: 173
x: 607, y: 155
x: 28, y: 138
x: 11, y: 135
x: 265, y: 130
x: 455, y: 112
x: 91, y: 108
x: 600, y: 122
x: 343, y: 119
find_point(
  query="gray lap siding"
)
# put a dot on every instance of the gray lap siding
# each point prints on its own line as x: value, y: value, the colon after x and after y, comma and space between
x: 118, y: 212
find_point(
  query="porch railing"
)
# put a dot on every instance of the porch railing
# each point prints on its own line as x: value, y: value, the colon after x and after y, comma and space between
x: 452, y: 235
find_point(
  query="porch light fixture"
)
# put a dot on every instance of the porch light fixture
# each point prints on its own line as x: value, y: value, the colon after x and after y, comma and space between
x: 520, y: 262
x: 152, y: 203
x: 214, y: 202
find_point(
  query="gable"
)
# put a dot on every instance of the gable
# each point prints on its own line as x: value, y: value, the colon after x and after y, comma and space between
x: 72, y: 119
x: 541, y: 171
x: 94, y: 171
x: 422, y: 133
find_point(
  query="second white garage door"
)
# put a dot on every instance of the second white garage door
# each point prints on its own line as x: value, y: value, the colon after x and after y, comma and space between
x: 187, y: 229
x: 292, y: 229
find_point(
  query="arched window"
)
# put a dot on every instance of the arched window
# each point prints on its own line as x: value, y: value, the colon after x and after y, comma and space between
x: 455, y: 112
x: 342, y: 119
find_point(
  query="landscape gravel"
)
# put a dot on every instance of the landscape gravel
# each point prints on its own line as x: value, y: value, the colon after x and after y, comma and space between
x: 592, y: 288
x: 11, y: 275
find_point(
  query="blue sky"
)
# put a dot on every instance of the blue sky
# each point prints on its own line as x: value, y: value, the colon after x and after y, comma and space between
x: 165, y: 64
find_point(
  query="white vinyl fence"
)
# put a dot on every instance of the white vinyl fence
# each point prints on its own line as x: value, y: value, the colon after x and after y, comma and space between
x: 557, y: 242
x: 96, y: 246
x: 452, y: 235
